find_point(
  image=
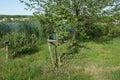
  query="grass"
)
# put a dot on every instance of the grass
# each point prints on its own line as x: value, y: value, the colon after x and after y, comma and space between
x: 94, y: 61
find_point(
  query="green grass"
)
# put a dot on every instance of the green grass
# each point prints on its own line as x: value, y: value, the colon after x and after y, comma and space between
x: 113, y: 75
x: 94, y: 61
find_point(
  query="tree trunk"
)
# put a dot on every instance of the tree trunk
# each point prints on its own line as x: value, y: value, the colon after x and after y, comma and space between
x: 73, y: 36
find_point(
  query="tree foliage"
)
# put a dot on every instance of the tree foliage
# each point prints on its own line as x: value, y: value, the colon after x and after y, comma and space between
x: 78, y: 14
x: 69, y: 18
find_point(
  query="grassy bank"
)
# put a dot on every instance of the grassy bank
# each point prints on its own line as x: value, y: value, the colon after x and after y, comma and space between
x: 94, y: 61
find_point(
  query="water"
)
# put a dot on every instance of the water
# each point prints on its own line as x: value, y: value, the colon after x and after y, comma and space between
x: 26, y: 27
x: 16, y: 26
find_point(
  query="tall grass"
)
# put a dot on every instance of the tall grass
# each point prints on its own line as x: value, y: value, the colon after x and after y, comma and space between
x: 113, y: 75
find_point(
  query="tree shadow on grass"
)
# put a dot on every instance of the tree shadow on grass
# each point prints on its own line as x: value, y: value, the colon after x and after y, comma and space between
x: 25, y: 52
x: 100, y: 40
x: 68, y: 56
x: 76, y: 48
x: 103, y: 40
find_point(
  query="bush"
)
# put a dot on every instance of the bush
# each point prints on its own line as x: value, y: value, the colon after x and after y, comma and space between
x: 114, y: 31
x: 99, y: 30
x: 18, y: 43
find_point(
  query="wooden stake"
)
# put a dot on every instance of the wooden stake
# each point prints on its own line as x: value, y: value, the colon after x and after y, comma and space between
x: 57, y: 53
x: 52, y: 61
x: 6, y: 49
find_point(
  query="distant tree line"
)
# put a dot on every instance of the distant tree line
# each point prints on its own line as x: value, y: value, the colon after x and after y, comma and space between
x: 14, y: 16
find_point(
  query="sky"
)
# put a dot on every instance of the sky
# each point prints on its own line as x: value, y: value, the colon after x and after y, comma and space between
x: 13, y: 7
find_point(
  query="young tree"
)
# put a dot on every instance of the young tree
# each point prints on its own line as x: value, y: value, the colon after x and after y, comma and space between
x: 67, y: 13
x: 71, y: 12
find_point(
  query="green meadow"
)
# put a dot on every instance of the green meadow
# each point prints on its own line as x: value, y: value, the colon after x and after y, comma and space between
x: 61, y: 40
x: 94, y: 61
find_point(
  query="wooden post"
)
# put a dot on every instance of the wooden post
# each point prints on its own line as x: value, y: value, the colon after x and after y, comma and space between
x: 57, y: 57
x: 54, y: 42
x: 52, y: 61
x: 6, y: 49
x: 57, y: 53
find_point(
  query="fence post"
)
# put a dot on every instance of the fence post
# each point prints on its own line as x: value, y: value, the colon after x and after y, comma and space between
x: 6, y: 49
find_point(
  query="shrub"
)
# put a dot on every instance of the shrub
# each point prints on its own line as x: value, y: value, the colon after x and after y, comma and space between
x: 18, y: 43
x: 114, y: 31
x: 98, y: 30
